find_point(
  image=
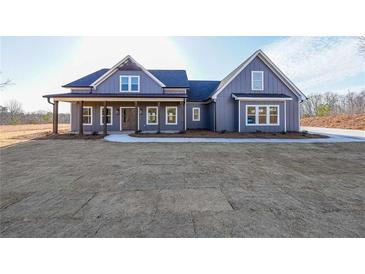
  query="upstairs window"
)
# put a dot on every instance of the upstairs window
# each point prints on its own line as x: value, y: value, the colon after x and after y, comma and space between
x: 257, y: 80
x: 129, y: 83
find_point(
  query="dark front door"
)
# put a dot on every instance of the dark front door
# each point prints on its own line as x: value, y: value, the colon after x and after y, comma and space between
x: 128, y: 119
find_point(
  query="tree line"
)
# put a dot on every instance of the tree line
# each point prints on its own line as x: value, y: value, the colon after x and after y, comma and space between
x: 12, y: 114
x: 331, y: 103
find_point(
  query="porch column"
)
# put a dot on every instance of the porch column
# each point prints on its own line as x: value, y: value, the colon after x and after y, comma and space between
x: 81, y: 112
x: 136, y: 115
x: 105, y: 121
x: 182, y: 105
x: 55, y: 117
x: 158, y: 117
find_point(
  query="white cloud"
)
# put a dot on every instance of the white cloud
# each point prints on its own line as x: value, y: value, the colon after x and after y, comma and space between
x: 316, y: 62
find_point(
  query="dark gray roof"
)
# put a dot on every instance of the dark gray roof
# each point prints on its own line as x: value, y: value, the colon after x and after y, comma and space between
x: 87, y: 80
x: 171, y: 78
x: 261, y: 95
x: 114, y: 95
x: 201, y: 90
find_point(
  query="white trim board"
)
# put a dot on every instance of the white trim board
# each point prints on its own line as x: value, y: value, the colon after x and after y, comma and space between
x: 119, y: 64
x: 122, y: 99
x: 259, y: 53
x: 260, y: 98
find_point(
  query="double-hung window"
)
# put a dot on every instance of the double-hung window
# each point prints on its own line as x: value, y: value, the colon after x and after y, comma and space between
x: 87, y: 115
x: 129, y: 83
x: 262, y: 115
x: 109, y: 115
x: 257, y: 80
x: 171, y: 115
x: 152, y: 116
x: 196, y: 114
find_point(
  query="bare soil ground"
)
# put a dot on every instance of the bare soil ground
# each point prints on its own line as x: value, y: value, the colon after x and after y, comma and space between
x: 13, y: 134
x: 211, y: 134
x: 93, y: 188
x: 355, y: 121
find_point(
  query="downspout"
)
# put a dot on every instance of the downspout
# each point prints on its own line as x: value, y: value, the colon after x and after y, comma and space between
x: 49, y: 101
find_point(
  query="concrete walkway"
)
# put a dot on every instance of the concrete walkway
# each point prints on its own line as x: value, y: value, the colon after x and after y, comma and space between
x: 335, y: 136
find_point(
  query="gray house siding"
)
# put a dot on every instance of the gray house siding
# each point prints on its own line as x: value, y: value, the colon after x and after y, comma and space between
x: 96, y: 126
x: 227, y: 114
x: 111, y: 84
x: 204, y: 116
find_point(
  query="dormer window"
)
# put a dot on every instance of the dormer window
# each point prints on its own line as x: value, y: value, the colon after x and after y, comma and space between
x: 257, y: 80
x: 129, y: 83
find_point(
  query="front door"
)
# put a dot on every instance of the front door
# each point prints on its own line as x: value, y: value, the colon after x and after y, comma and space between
x: 128, y: 119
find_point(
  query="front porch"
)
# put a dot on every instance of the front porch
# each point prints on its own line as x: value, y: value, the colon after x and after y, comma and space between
x: 154, y: 115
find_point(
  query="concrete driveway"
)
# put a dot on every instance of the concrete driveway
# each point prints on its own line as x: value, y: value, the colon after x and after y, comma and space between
x: 346, y: 133
x: 93, y: 188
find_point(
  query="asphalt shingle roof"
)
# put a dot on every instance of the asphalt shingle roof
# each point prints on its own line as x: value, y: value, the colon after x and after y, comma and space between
x: 87, y: 80
x: 201, y: 90
x: 171, y: 78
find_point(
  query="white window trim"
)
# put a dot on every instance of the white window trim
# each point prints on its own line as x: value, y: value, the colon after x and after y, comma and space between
x: 196, y: 120
x: 129, y: 83
x: 151, y: 124
x: 267, y: 115
x: 166, y: 120
x: 262, y: 79
x: 111, y: 116
x: 91, y: 120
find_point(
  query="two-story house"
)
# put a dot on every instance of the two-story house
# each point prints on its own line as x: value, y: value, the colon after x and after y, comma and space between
x: 256, y: 96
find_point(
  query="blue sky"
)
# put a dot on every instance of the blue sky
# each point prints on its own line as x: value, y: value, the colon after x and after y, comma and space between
x: 41, y: 65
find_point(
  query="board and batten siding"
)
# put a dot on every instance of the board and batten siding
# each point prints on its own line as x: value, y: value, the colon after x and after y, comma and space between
x: 226, y: 106
x: 112, y: 84
x: 204, y: 116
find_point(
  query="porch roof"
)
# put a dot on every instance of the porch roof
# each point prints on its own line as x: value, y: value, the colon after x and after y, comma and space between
x: 115, y: 97
x: 261, y: 96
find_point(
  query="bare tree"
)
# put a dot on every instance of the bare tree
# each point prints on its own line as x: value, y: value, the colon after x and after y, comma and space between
x: 5, y: 83
x: 15, y: 111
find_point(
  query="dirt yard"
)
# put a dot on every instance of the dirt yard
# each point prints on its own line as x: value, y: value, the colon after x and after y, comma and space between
x: 93, y: 188
x: 13, y: 134
x: 355, y: 121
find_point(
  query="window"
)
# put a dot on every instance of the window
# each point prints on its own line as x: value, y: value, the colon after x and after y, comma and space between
x: 171, y: 115
x: 152, y: 116
x: 251, y: 115
x: 129, y: 83
x: 260, y: 115
x: 87, y: 115
x: 196, y: 114
x: 257, y: 80
x: 109, y: 115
